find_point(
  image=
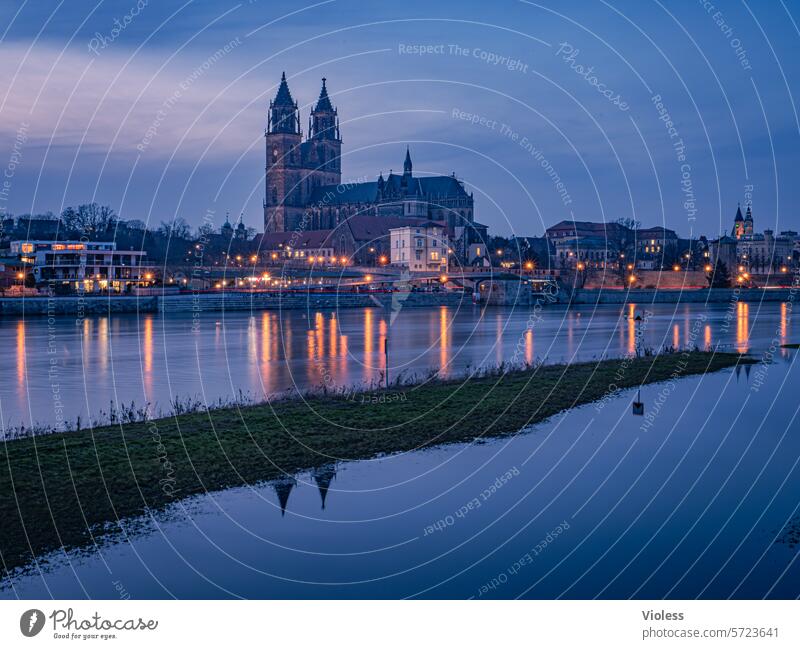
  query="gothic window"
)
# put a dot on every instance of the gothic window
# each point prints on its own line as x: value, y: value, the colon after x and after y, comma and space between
x: 274, y: 155
x: 274, y: 195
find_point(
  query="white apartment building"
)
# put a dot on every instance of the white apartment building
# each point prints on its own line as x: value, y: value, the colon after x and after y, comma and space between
x: 87, y: 265
x: 421, y: 248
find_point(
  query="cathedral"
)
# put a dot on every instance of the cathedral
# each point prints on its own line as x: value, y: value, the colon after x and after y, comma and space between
x: 304, y: 189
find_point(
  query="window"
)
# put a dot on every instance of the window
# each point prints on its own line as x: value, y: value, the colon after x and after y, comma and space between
x: 419, y: 254
x: 274, y: 194
x: 275, y: 155
x: 434, y: 256
x: 419, y: 243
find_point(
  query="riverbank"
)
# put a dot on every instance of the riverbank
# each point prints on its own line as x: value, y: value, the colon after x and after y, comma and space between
x: 65, y: 489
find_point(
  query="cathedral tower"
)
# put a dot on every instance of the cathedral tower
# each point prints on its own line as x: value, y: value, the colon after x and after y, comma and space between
x: 283, y: 205
x: 324, y: 145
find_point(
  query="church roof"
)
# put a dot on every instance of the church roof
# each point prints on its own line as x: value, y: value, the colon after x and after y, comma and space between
x: 430, y: 188
x: 738, y: 214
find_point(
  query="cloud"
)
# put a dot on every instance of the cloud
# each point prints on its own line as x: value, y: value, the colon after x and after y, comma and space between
x: 128, y: 104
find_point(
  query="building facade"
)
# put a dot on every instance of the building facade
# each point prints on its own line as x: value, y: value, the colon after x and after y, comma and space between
x: 420, y: 249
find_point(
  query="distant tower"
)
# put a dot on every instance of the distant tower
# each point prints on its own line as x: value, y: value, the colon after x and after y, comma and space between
x: 748, y: 222
x: 738, y: 224
x: 325, y: 145
x: 227, y: 229
x: 405, y: 181
x: 283, y: 208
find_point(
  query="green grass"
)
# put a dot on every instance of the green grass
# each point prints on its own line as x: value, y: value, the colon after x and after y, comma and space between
x: 60, y: 489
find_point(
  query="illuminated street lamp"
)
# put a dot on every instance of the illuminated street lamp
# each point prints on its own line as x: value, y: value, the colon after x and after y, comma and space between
x: 676, y: 268
x: 632, y: 279
x: 383, y: 259
x: 708, y: 268
x: 443, y: 279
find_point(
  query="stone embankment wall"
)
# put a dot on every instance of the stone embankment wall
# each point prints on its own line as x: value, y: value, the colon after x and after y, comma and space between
x: 202, y: 302
x: 650, y: 296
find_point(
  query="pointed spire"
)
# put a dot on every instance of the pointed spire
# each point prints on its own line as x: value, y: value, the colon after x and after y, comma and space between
x: 324, y: 102
x: 283, y: 488
x: 323, y: 477
x: 738, y: 213
x: 407, y: 164
x: 284, y: 97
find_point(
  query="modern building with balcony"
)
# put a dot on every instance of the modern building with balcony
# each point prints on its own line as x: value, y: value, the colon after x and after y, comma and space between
x: 88, y: 266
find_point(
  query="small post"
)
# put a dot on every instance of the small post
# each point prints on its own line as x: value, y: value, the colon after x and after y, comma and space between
x: 386, y: 354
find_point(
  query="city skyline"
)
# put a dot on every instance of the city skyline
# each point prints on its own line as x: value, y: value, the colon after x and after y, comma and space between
x: 162, y: 113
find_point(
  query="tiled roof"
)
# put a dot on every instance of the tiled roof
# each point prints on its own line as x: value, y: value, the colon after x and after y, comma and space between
x: 371, y: 228
x: 307, y: 239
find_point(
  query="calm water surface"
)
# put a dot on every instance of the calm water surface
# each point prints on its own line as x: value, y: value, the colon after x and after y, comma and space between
x: 592, y: 503
x: 54, y: 373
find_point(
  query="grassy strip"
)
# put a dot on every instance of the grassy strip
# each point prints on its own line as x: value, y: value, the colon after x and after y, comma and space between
x: 56, y: 487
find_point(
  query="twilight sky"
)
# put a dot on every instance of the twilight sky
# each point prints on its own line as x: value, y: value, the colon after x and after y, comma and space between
x: 165, y: 117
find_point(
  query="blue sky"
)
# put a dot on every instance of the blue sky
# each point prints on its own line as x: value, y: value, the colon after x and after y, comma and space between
x: 150, y: 120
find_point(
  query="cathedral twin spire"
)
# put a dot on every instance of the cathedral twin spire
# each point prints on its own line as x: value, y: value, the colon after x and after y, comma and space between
x: 284, y: 114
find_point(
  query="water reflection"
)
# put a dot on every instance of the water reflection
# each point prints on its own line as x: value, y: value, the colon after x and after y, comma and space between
x: 218, y: 355
x: 444, y: 342
x: 21, y: 354
x: 742, y: 326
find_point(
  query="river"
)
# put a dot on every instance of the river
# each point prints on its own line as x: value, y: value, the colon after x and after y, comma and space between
x: 699, y: 498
